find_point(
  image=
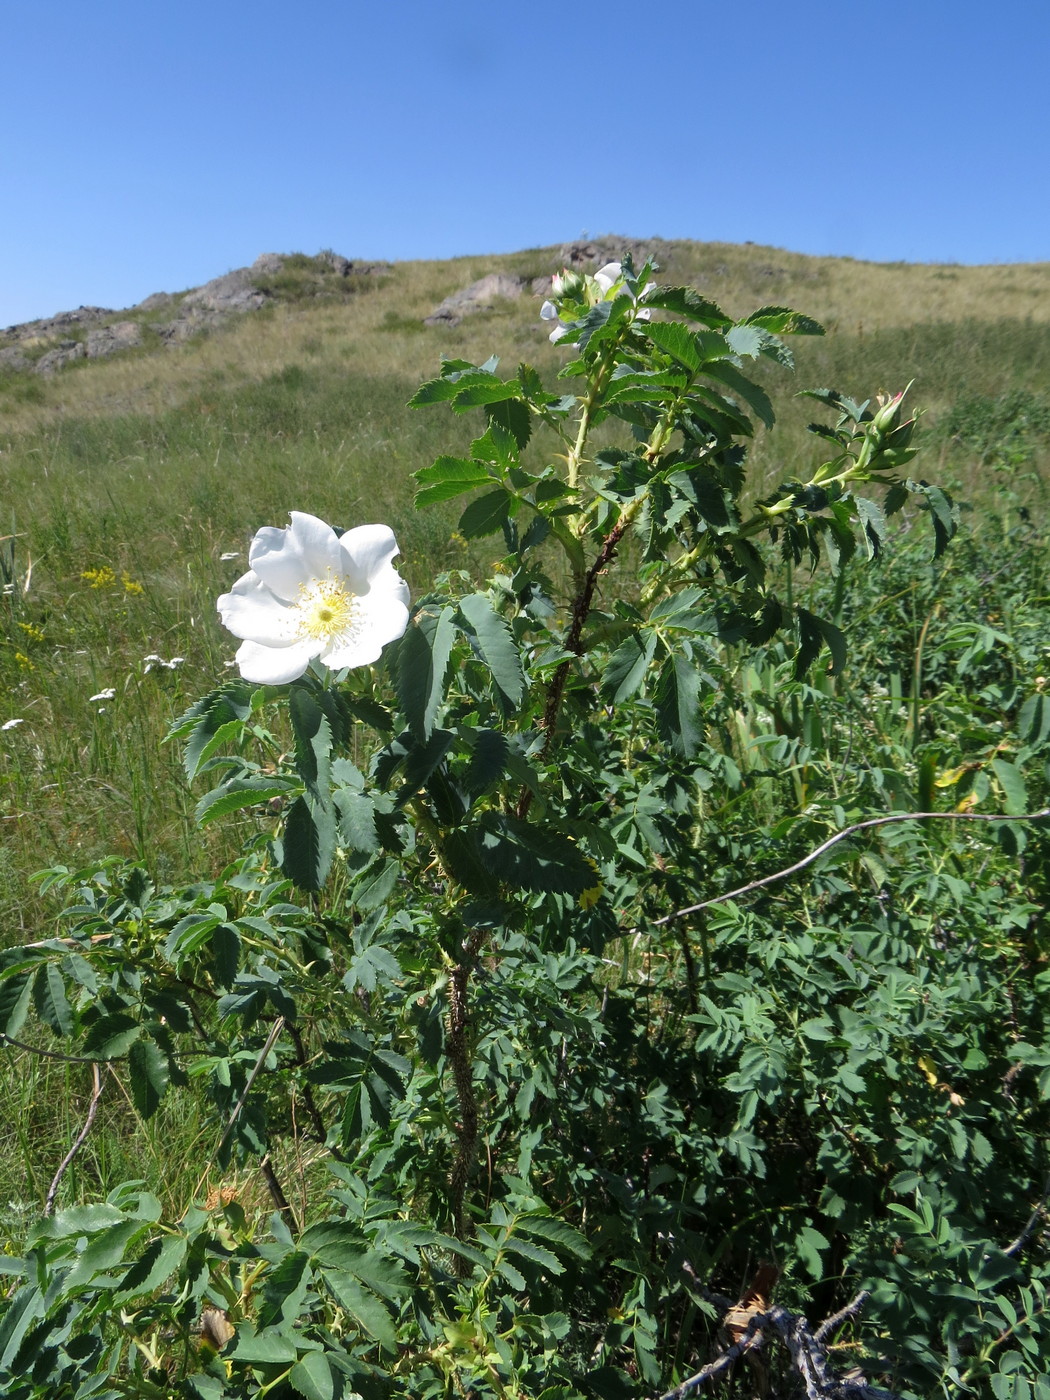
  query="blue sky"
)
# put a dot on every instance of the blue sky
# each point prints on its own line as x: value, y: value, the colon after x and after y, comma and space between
x: 148, y: 146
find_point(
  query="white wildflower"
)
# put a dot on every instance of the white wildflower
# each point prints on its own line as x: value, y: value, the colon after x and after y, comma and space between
x: 314, y: 595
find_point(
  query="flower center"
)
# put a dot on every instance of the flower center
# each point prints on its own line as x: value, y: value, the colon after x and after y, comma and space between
x: 326, y: 609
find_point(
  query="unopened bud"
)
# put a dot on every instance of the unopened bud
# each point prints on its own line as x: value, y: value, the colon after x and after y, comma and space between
x: 567, y: 283
x: 889, y: 413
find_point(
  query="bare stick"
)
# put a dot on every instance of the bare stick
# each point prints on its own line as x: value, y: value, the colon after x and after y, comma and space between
x: 1041, y: 815
x: 81, y: 1138
x: 268, y: 1045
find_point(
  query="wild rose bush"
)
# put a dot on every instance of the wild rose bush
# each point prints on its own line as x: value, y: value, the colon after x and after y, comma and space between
x: 511, y: 1116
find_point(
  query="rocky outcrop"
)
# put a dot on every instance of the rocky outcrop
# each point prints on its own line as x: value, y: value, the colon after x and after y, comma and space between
x: 479, y: 296
x: 63, y: 354
x: 107, y: 340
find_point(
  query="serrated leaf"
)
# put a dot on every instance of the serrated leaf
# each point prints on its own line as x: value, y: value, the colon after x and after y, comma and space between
x: 753, y: 394
x: 111, y: 1036
x: 486, y: 515
x: 239, y: 793
x: 269, y: 1348
x: 815, y: 633
x: 149, y: 1072
x: 627, y: 667
x: 313, y: 741
x: 357, y: 820
x: 488, y: 760
x: 285, y: 1290
x: 687, y: 302
x: 308, y: 844
x: 50, y: 1001
x: 495, y: 644
x: 364, y: 1307
x: 676, y: 340
x: 449, y: 477
x: 161, y: 1258
x: 781, y: 320
x: 873, y: 525
x: 423, y: 655
x: 677, y: 700
x: 312, y: 1376
x: 1012, y: 783
x: 535, y: 1253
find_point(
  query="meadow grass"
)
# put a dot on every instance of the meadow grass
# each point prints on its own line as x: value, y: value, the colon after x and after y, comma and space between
x: 127, y: 480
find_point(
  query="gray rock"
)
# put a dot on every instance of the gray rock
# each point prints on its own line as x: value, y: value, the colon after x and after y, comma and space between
x: 479, y: 296
x: 12, y: 358
x: 155, y: 301
x: 122, y: 335
x: 234, y: 291
x: 267, y: 262
x: 340, y: 265
x: 63, y: 354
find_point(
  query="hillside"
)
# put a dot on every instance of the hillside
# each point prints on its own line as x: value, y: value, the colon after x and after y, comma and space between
x: 133, y: 479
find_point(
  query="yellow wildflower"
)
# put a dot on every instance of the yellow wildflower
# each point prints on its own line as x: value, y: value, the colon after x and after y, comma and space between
x: 33, y: 633
x: 99, y: 578
x: 130, y: 586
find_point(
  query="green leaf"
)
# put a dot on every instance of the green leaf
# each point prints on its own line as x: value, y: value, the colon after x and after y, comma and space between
x: 496, y: 645
x: 627, y: 667
x: 364, y: 1307
x: 1033, y: 722
x: 450, y: 477
x: 486, y: 515
x: 312, y: 1376
x: 873, y: 524
x: 423, y: 655
x: 753, y: 394
x: 308, y: 844
x: 149, y: 1072
x: 687, y: 302
x: 488, y: 760
x: 677, y: 699
x: 484, y: 389
x: 268, y: 1348
x: 285, y: 1290
x: 815, y: 633
x: 357, y: 820
x: 781, y: 320
x: 161, y: 1258
x: 111, y: 1036
x: 313, y: 741
x: 49, y: 997
x: 239, y: 793
x: 15, y: 993
x: 676, y: 340
x: 1013, y: 785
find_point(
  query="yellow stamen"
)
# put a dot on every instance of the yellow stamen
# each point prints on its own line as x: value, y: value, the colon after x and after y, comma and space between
x: 326, y: 609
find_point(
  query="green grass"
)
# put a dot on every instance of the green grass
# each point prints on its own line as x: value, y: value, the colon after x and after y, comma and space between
x: 128, y: 479
x: 155, y: 464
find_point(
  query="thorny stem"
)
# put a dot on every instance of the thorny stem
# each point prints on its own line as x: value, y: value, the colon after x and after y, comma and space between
x: 458, y: 1049
x: 581, y: 607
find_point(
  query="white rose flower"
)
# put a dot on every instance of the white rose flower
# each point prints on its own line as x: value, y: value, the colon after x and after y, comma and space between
x: 312, y: 594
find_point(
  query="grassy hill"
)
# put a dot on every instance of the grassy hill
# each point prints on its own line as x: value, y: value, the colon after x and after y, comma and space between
x: 126, y: 480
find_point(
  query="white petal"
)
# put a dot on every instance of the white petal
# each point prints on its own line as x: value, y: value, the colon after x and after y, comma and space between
x: 12, y: 723
x: 275, y: 665
x: 367, y: 552
x: 252, y: 611
x: 286, y: 559
x: 548, y: 311
x: 607, y: 275
x: 557, y: 333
